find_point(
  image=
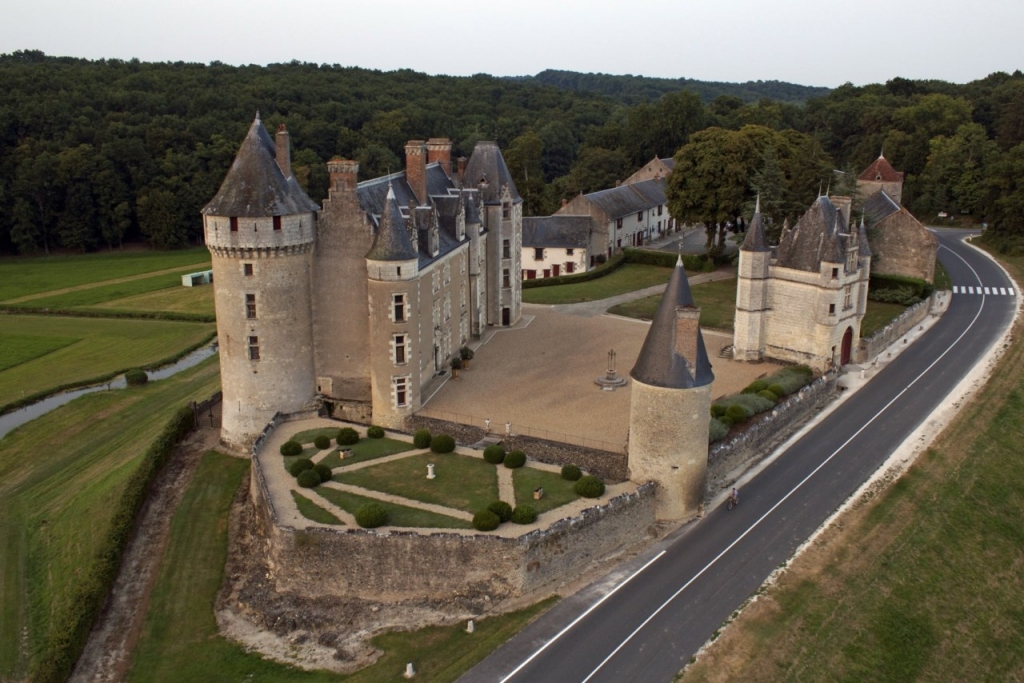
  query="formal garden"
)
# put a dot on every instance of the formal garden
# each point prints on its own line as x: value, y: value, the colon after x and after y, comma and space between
x: 341, y: 477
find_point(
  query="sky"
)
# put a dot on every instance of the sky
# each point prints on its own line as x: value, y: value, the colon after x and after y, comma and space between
x: 809, y: 42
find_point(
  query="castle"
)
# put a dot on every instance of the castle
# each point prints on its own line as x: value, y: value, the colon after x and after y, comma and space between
x: 364, y: 300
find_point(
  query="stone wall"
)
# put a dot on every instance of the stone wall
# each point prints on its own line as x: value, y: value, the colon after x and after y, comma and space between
x: 900, y: 245
x: 728, y: 458
x: 872, y: 346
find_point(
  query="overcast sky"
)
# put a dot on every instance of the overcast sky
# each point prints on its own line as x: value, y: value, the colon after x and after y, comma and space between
x: 802, y: 41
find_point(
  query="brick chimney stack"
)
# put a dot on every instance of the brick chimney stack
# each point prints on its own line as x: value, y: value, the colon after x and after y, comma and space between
x: 416, y: 169
x: 687, y: 330
x: 344, y: 175
x: 440, y: 150
x: 462, y: 169
x: 284, y: 151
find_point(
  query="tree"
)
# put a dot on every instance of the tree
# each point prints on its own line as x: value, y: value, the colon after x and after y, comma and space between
x: 161, y: 220
x: 524, y: 158
x: 597, y: 169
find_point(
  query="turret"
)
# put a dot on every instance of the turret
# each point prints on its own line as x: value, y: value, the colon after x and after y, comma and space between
x: 752, y: 291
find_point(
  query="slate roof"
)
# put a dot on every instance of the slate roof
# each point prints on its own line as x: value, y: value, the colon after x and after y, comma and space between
x: 392, y: 241
x: 881, y: 169
x: 863, y: 248
x: 670, y: 162
x: 819, y: 235
x: 487, y: 165
x: 623, y: 200
x: 571, y: 232
x: 755, y: 239
x: 880, y: 206
x: 255, y: 186
x: 658, y: 363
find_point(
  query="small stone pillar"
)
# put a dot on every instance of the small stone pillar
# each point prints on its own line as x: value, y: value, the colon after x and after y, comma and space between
x: 470, y: 627
x: 430, y: 471
x: 409, y: 671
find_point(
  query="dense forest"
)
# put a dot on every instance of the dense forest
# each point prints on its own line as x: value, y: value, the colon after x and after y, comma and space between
x: 97, y: 153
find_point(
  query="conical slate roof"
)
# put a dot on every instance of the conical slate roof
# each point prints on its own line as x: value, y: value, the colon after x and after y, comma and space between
x: 659, y: 364
x: 392, y: 241
x: 255, y: 186
x: 755, y: 239
x: 486, y: 169
x: 863, y: 248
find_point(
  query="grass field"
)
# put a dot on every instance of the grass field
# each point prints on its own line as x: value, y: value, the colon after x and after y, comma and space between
x: 104, y: 347
x: 923, y: 582
x: 627, y: 278
x: 59, y: 478
x: 180, y: 641
x: 366, y: 449
x: 717, y: 301
x: 877, y: 315
x: 27, y: 276
x: 16, y: 349
x: 557, y: 491
x: 314, y: 512
x: 398, y: 515
x: 463, y: 483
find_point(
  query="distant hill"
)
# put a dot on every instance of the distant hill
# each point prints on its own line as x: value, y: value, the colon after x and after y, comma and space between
x: 632, y: 90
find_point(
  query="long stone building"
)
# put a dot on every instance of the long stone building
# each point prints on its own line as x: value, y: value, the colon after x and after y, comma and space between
x: 364, y: 300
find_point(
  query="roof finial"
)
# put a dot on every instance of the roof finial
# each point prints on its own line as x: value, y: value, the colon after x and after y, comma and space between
x: 829, y: 188
x: 881, y: 152
x: 757, y: 204
x: 391, y: 191
x: 819, y: 189
x: 679, y: 258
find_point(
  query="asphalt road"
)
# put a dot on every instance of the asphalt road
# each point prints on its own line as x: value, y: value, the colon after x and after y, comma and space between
x: 643, y: 621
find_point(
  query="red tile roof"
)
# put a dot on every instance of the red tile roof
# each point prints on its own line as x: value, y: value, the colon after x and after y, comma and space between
x: 880, y: 169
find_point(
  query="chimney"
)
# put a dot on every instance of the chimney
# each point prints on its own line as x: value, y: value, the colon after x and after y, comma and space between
x: 462, y: 169
x: 618, y: 183
x: 284, y: 151
x: 416, y: 169
x: 440, y: 150
x: 344, y: 174
x: 565, y: 202
x: 687, y: 332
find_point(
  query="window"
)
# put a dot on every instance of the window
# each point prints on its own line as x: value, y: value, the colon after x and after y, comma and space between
x: 835, y: 273
x: 506, y: 249
x: 247, y: 269
x: 254, y: 348
x: 640, y: 215
x: 547, y: 272
x: 570, y: 267
x: 831, y: 309
x: 398, y: 308
x: 277, y: 222
x: 400, y: 342
x: 401, y: 392
x: 531, y: 275
x: 660, y: 207
x: 848, y: 297
x: 618, y: 224
x: 506, y: 280
x: 506, y: 211
x: 568, y: 252
x: 250, y: 306
x: 234, y: 223
x: 538, y: 254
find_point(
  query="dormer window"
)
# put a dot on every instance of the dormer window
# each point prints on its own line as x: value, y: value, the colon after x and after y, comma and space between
x: 506, y: 210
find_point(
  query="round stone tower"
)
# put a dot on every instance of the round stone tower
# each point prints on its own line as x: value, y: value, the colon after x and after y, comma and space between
x: 752, y: 292
x: 260, y: 230
x: 392, y: 269
x: 670, y: 405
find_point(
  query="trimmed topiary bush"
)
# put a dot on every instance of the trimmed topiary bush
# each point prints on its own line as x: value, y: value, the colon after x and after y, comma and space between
x: 136, y: 377
x: 571, y: 472
x: 777, y: 390
x: 589, y: 487
x: 421, y: 439
x: 308, y: 479
x: 717, y: 410
x: 717, y: 430
x: 756, y: 386
x: 726, y: 420
x: 736, y: 413
x: 442, y: 443
x: 375, y: 432
x: 322, y: 442
x: 752, y: 403
x: 371, y: 515
x: 300, y: 466
x: 291, y: 448
x: 524, y: 514
x: 324, y: 471
x: 485, y: 520
x: 502, y: 509
x: 347, y: 436
x: 515, y: 459
x: 494, y: 454
x: 768, y: 395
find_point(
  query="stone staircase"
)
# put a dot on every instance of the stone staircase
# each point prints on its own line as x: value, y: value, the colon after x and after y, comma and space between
x: 726, y: 352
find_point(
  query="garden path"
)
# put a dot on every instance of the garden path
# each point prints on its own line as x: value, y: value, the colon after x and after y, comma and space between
x: 399, y: 500
x: 506, y: 491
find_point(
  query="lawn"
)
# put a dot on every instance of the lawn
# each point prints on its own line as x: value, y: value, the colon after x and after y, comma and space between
x: 113, y: 295
x: 312, y: 511
x: 877, y: 315
x: 627, y: 278
x: 923, y: 582
x: 398, y: 515
x: 104, y: 348
x: 27, y: 276
x: 367, y: 449
x: 463, y: 483
x: 60, y: 476
x: 557, y: 491
x: 180, y: 642
x: 17, y: 349
x: 717, y: 302
x: 176, y: 299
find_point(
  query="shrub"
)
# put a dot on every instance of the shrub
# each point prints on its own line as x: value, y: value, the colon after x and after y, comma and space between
x: 291, y: 448
x: 308, y: 479
x: 571, y: 472
x: 768, y: 395
x: 524, y: 514
x: 752, y: 403
x: 717, y: 430
x: 502, y: 509
x: 300, y: 466
x: 736, y: 413
x: 347, y: 436
x: 726, y: 420
x: 756, y: 386
x: 136, y: 377
x: 791, y: 379
x: 375, y: 432
x: 466, y: 353
x: 485, y: 520
x: 324, y: 471
x: 322, y: 442
x: 494, y: 454
x: 371, y: 515
x: 442, y: 443
x: 421, y: 439
x: 589, y: 487
x: 777, y: 389
x: 515, y: 459
x: 717, y: 410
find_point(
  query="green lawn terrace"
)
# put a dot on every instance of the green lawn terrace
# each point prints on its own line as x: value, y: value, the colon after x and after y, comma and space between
x: 392, y: 472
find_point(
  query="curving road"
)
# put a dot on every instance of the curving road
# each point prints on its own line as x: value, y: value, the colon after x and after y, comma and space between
x: 643, y: 621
